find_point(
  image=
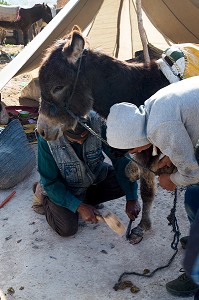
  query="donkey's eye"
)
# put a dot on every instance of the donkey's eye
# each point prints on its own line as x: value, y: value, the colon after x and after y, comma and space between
x: 58, y: 91
x: 58, y: 88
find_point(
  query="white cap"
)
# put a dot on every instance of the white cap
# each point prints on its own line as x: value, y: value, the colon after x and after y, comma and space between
x: 126, y: 126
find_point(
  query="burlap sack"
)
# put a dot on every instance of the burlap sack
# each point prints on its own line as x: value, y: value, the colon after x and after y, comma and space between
x: 17, y: 158
x: 32, y: 90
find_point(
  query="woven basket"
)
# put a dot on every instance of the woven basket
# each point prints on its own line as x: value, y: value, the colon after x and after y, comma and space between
x: 17, y: 158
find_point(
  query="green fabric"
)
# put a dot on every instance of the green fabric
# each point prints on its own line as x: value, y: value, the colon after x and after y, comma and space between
x: 175, y: 55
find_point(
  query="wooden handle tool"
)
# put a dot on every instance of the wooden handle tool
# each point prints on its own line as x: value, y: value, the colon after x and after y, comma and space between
x: 6, y: 200
x: 112, y: 221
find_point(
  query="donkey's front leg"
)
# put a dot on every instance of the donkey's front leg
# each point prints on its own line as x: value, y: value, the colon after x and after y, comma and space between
x: 147, y: 191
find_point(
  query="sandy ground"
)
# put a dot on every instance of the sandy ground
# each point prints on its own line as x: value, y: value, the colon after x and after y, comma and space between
x: 36, y: 263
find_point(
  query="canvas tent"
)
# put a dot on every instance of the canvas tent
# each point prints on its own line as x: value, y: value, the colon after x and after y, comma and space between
x: 111, y: 25
x: 115, y: 30
x: 177, y: 20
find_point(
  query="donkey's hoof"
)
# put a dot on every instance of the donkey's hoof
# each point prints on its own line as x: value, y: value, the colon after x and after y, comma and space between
x: 136, y: 235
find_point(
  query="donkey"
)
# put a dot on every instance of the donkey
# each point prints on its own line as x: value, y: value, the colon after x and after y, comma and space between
x: 73, y: 78
x: 26, y: 17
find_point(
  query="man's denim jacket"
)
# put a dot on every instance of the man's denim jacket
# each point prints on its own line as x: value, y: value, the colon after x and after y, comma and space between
x: 79, y: 175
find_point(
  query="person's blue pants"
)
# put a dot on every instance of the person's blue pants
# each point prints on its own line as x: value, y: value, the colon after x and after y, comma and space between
x: 192, y: 201
x: 191, y: 261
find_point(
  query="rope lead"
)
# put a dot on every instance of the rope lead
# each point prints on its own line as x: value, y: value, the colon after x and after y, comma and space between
x: 174, y: 245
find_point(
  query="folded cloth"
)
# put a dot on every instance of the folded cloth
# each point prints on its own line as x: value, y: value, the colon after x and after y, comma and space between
x: 17, y: 158
x: 180, y: 61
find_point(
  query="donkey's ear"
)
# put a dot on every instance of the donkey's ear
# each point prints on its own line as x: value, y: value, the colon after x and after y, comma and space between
x: 73, y: 51
x: 76, y: 28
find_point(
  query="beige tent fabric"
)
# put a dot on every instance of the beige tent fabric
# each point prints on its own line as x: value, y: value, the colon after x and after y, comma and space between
x: 104, y: 30
x: 115, y: 30
x: 176, y: 19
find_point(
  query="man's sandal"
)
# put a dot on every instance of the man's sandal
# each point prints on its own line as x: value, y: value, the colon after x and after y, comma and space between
x: 37, y: 199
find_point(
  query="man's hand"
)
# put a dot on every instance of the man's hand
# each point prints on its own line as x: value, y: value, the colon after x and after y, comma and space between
x: 164, y: 162
x: 88, y: 212
x: 132, y: 209
x: 166, y: 183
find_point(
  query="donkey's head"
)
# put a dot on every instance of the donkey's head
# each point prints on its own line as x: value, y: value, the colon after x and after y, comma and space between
x: 63, y: 86
x: 46, y: 13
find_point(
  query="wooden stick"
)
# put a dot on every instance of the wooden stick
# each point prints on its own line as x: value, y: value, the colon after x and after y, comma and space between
x: 7, y: 199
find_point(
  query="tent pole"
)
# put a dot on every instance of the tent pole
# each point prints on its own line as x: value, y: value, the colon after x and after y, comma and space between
x: 142, y: 32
